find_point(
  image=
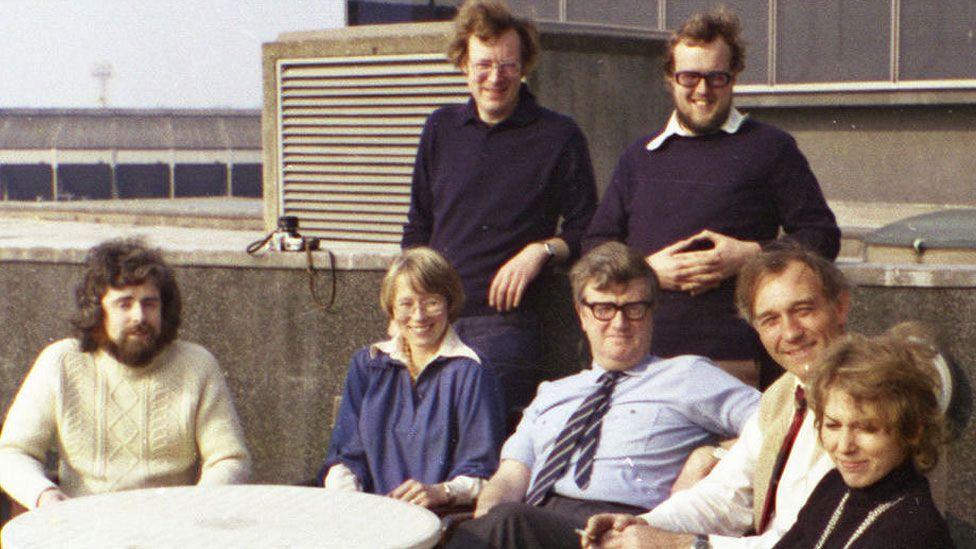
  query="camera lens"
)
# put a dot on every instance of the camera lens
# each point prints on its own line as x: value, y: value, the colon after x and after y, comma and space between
x: 288, y: 223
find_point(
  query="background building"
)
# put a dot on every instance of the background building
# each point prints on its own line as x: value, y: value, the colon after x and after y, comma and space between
x: 75, y: 154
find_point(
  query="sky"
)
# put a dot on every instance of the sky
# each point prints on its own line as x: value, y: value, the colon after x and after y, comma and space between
x: 163, y: 54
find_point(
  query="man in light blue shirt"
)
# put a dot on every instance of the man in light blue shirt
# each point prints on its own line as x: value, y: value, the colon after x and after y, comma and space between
x: 611, y: 437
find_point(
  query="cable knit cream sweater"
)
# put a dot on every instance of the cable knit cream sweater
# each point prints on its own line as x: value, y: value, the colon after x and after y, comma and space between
x: 115, y: 427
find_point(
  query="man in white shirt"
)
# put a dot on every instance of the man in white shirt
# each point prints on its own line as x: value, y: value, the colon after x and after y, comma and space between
x: 798, y: 303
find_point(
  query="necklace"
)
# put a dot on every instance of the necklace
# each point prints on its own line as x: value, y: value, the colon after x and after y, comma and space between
x: 867, y: 522
x: 408, y: 354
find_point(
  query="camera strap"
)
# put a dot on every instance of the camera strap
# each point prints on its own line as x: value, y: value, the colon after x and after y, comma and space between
x: 255, y: 247
x: 312, y: 287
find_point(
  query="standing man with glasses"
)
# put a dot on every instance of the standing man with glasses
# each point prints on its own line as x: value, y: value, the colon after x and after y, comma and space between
x: 705, y: 194
x: 492, y: 179
x: 612, y: 438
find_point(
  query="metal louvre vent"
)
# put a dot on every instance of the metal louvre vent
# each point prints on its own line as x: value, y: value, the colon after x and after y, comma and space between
x: 349, y: 129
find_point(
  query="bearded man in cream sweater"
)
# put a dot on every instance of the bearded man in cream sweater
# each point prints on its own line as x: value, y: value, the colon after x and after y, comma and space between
x: 125, y: 404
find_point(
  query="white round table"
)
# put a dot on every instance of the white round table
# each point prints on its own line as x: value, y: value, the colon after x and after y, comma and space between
x: 225, y: 517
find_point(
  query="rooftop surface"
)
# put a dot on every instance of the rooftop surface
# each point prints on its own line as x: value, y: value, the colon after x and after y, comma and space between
x: 216, y: 231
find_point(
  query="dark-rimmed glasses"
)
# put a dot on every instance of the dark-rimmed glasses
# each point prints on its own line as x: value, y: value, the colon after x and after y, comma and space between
x: 714, y: 79
x: 605, y: 310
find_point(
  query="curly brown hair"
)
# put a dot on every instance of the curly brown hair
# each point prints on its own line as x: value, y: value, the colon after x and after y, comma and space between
x: 487, y: 20
x: 893, y: 372
x: 704, y: 27
x: 116, y: 264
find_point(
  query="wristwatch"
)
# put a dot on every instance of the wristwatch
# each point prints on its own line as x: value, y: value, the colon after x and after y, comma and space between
x: 550, y: 250
x: 701, y: 542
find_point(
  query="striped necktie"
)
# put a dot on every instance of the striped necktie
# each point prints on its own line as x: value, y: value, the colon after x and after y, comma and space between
x: 582, y: 431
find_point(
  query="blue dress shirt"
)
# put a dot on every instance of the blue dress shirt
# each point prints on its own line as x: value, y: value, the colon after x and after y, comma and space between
x: 660, y: 411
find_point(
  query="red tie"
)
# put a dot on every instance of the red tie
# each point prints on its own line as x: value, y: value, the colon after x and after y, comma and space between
x: 784, y: 454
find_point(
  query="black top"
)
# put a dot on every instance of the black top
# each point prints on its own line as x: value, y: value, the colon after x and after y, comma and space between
x: 482, y: 193
x: 912, y: 523
x: 747, y: 185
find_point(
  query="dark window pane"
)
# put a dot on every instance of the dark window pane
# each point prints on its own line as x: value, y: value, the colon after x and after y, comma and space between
x: 246, y: 180
x: 84, y: 181
x: 632, y: 13
x: 369, y: 12
x: 26, y: 181
x: 142, y: 180
x: 754, y: 16
x: 200, y: 180
x: 833, y: 40
x: 938, y: 40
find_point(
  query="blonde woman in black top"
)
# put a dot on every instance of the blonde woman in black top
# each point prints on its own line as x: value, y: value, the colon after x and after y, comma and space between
x: 877, y: 410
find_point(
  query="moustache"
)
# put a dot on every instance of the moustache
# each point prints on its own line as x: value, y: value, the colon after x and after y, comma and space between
x: 142, y: 329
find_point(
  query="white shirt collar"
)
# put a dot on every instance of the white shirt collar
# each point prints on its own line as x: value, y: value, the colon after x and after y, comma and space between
x: 451, y: 347
x: 731, y: 125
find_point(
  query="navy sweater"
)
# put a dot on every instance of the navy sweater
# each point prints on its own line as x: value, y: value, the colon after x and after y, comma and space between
x: 746, y: 185
x: 480, y: 194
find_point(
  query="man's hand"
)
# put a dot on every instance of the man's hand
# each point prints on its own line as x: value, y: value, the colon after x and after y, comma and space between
x: 488, y: 499
x: 700, y: 462
x: 618, y: 531
x: 512, y: 279
x: 599, y: 526
x: 509, y: 483
x: 697, y: 272
x: 418, y: 493
x: 51, y: 495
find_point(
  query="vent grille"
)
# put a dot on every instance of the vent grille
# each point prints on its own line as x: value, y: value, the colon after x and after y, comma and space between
x: 349, y: 129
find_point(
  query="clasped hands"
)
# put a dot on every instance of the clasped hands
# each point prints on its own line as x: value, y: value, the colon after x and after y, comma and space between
x: 699, y: 271
x: 621, y: 531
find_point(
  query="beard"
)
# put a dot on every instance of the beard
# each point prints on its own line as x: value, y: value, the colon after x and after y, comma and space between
x: 138, y: 346
x: 704, y: 127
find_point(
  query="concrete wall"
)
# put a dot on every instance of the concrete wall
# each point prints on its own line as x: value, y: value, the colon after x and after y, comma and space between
x: 901, y: 153
x: 285, y: 359
x: 611, y: 86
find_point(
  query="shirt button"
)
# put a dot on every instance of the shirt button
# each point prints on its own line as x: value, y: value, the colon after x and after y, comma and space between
x: 484, y: 227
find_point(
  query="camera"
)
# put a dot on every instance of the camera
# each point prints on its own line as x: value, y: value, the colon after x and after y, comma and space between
x: 287, y: 239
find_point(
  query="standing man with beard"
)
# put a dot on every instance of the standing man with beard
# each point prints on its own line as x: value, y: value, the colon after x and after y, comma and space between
x: 702, y: 196
x: 125, y: 404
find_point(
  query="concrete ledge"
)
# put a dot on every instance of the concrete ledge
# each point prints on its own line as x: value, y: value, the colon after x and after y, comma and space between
x: 762, y: 97
x: 908, y: 275
x: 67, y: 242
x: 205, y: 213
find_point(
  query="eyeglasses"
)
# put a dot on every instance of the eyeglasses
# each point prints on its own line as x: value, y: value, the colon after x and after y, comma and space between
x: 430, y: 306
x: 714, y: 79
x: 635, y: 310
x: 482, y: 69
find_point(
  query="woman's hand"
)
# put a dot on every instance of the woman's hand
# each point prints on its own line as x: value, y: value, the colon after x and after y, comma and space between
x: 418, y: 493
